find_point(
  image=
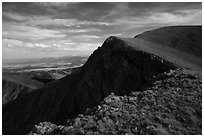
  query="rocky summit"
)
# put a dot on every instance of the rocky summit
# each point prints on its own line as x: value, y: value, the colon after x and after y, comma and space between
x: 127, y: 86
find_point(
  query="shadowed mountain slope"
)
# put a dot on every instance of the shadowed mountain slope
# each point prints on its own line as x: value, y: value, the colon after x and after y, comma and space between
x: 119, y: 66
x: 14, y: 85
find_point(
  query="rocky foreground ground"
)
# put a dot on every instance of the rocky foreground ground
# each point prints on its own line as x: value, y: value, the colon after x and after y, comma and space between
x: 171, y: 105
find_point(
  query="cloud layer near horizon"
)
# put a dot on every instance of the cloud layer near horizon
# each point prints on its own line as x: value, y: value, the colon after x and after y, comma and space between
x: 42, y: 29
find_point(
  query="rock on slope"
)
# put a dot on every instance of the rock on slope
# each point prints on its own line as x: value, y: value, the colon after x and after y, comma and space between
x: 118, y: 66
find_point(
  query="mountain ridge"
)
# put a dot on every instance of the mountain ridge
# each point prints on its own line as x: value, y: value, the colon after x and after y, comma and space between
x: 116, y: 67
x: 98, y: 66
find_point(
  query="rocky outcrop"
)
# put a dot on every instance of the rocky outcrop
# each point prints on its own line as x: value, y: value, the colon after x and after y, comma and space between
x: 114, y: 67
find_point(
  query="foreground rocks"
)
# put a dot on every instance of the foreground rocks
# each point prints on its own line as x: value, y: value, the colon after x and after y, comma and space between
x: 172, y: 105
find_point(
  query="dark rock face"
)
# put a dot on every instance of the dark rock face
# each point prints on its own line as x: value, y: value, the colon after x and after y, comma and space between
x: 114, y: 67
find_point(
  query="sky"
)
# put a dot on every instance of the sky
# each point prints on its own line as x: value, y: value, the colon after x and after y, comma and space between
x: 39, y: 29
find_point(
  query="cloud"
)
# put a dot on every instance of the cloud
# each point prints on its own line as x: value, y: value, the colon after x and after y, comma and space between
x: 110, y: 14
x: 59, y: 27
x: 21, y: 44
x: 11, y: 42
x: 65, y: 22
x: 55, y: 4
x: 50, y: 21
x: 185, y: 16
x: 87, y: 36
x: 90, y: 36
x: 14, y: 16
x: 94, y: 23
x: 54, y: 45
x: 29, y: 33
x: 112, y: 34
x: 82, y: 46
x: 37, y: 45
x: 81, y: 30
x: 161, y: 18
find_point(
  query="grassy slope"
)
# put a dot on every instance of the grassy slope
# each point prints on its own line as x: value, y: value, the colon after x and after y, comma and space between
x: 181, y: 45
x: 173, y: 55
x: 184, y: 38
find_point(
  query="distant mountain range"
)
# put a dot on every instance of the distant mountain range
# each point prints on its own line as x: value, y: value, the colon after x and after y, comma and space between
x: 120, y: 65
x: 43, y: 60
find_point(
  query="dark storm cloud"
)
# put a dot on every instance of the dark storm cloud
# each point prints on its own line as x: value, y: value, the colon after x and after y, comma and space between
x: 83, y: 27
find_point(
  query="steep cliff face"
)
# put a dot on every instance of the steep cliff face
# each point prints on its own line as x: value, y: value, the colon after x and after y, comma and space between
x: 114, y: 67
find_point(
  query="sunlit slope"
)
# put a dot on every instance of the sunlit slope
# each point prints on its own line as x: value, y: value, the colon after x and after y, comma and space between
x: 186, y: 52
x: 184, y: 38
